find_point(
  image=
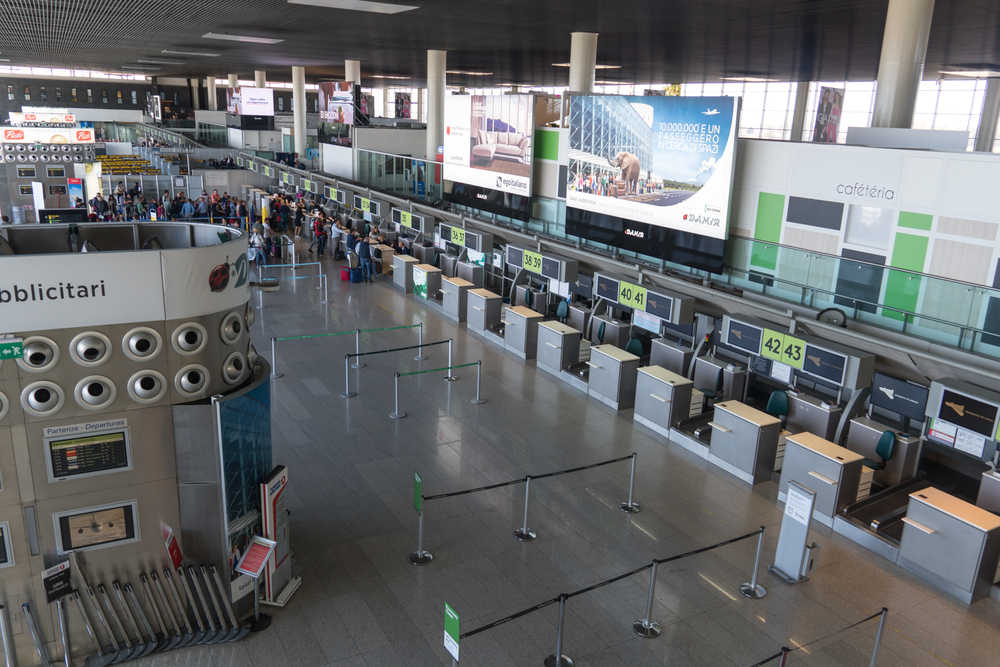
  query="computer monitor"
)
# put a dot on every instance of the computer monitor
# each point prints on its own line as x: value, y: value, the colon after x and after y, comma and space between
x: 906, y: 399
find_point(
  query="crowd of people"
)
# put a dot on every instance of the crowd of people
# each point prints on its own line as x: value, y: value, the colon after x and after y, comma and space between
x: 124, y: 205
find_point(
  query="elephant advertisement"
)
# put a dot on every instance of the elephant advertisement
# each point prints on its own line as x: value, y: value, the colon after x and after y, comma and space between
x: 661, y: 161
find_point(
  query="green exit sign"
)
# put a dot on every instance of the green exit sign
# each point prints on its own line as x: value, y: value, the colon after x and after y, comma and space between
x: 11, y: 348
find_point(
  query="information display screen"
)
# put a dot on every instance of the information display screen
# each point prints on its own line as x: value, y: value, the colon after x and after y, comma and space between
x: 659, y: 305
x: 550, y: 268
x: 607, y: 288
x: 89, y: 455
x: 761, y: 366
x: 968, y: 413
x: 824, y: 364
x: 744, y: 337
x: 515, y: 256
x: 904, y: 398
x: 97, y: 527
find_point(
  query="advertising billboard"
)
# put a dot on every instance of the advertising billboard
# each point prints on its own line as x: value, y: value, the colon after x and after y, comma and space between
x: 46, y: 119
x: 402, y: 105
x: 48, y: 135
x: 663, y: 161
x: 246, y: 101
x: 828, y: 110
x: 487, y: 141
x: 336, y: 102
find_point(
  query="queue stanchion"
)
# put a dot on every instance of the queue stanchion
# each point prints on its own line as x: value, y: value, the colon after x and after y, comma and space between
x: 449, y: 377
x: 397, y: 414
x: 274, y: 360
x: 784, y: 656
x: 524, y: 533
x: 347, y: 393
x: 419, y: 557
x: 878, y: 637
x: 752, y: 589
x: 557, y: 659
x: 326, y: 289
x: 646, y: 628
x: 479, y: 383
x: 631, y: 507
x: 357, y: 349
x: 420, y: 341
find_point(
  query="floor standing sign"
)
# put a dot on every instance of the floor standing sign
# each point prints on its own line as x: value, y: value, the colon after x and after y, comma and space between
x: 793, y: 557
x: 279, y: 585
x: 253, y: 564
x: 451, y: 634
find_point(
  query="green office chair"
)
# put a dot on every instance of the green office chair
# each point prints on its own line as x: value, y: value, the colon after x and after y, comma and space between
x: 600, y: 332
x: 713, y: 394
x: 634, y: 346
x: 886, y: 445
x: 777, y: 406
x: 562, y: 310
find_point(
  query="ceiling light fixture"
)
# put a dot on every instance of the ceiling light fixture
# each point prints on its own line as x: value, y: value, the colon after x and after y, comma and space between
x: 138, y: 67
x: 192, y: 53
x: 357, y: 5
x: 162, y: 62
x: 747, y: 79
x: 467, y: 72
x: 972, y: 73
x: 241, y: 38
x: 387, y: 76
x: 595, y: 66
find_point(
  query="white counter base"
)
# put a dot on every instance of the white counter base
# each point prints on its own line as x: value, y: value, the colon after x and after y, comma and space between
x: 730, y: 468
x: 694, y: 446
x: 495, y: 339
x: 570, y: 379
x: 523, y: 356
x: 822, y: 518
x: 943, y: 584
x: 652, y: 426
x: 865, y: 538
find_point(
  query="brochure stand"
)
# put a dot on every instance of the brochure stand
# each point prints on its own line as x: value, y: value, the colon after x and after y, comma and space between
x: 253, y: 564
x: 794, y: 557
x: 279, y: 584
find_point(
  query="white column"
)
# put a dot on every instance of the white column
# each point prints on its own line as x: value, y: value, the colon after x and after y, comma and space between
x: 213, y: 99
x: 901, y: 67
x: 799, y: 113
x: 988, y: 119
x: 299, y: 109
x: 388, y: 110
x: 195, y: 93
x: 352, y: 71
x: 582, y: 61
x: 234, y: 81
x: 260, y: 78
x: 436, y: 64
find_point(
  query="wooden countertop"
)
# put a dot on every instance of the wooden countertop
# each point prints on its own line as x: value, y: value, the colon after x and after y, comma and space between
x: 406, y: 258
x: 484, y: 293
x: 525, y: 312
x: 811, y: 400
x: 428, y: 268
x: 957, y: 508
x: 837, y: 454
x: 457, y: 282
x: 559, y: 328
x: 746, y: 413
x: 615, y: 353
x: 663, y: 375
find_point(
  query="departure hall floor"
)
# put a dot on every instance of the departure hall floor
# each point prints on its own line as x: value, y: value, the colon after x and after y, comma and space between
x: 353, y: 521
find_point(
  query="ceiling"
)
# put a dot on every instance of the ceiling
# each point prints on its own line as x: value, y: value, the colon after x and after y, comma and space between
x: 517, y: 41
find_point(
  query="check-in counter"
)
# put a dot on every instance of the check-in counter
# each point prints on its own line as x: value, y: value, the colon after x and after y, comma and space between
x: 744, y: 441
x: 832, y: 471
x: 483, y: 310
x: 448, y: 265
x: 989, y: 492
x: 613, y: 376
x: 706, y: 373
x: 454, y: 297
x: 615, y: 332
x: 471, y: 272
x: 521, y: 331
x: 429, y: 277
x: 402, y: 272
x: 950, y: 543
x: 667, y: 354
x: 662, y: 398
x: 864, y: 436
x: 386, y: 260
x: 558, y: 346
x: 808, y: 414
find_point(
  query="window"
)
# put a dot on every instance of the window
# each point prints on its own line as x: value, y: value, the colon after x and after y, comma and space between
x: 281, y: 103
x: 176, y: 100
x: 72, y: 94
x: 316, y: 105
x: 41, y: 94
x: 120, y: 99
x: 10, y: 92
x: 58, y: 94
x: 104, y: 95
x: 90, y: 95
x: 27, y: 93
x: 135, y: 98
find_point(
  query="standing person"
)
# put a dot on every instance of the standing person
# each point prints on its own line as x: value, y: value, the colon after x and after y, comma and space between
x: 285, y: 214
x: 257, y: 245
x: 319, y: 233
x: 187, y: 209
x: 300, y: 214
x: 364, y: 249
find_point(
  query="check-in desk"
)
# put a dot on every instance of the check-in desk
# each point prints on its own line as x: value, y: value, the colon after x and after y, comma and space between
x: 613, y: 376
x: 558, y: 346
x: 432, y: 281
x: 483, y: 310
x: 386, y: 259
x: 667, y: 354
x: 950, y: 543
x: 808, y: 414
x: 448, y: 265
x: 744, y: 441
x: 706, y: 372
x: 989, y: 491
x: 662, y: 398
x: 425, y: 253
x: 615, y: 332
x: 830, y: 470
x: 402, y: 272
x: 471, y: 272
x: 454, y: 297
x: 521, y: 331
x: 864, y: 436
x: 578, y: 317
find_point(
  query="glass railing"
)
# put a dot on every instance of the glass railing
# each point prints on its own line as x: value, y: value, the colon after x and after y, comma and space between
x: 947, y: 312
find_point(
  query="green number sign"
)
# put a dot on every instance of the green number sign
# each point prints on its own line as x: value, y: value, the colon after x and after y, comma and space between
x: 458, y: 236
x: 532, y: 261
x: 783, y: 347
x: 632, y: 296
x: 406, y: 219
x: 418, y: 496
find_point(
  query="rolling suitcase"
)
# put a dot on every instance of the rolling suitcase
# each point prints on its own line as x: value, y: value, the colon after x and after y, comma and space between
x: 345, y: 274
x: 356, y: 275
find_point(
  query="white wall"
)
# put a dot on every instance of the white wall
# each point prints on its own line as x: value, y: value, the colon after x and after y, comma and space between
x: 109, y: 115
x: 338, y: 160
x: 391, y: 140
x: 206, y: 116
x: 236, y: 137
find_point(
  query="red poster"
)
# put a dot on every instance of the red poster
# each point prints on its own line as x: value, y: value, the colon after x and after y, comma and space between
x: 256, y: 557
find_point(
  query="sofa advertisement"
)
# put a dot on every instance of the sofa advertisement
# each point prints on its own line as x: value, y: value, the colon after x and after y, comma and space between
x: 662, y: 161
x: 487, y: 142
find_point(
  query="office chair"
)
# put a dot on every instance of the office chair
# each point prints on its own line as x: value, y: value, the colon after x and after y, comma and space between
x: 562, y: 311
x: 600, y: 332
x: 713, y: 394
x: 634, y: 346
x: 777, y: 406
x: 884, y: 448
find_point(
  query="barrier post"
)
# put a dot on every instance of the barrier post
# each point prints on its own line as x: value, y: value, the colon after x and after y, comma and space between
x: 631, y: 507
x: 399, y: 415
x: 420, y: 557
x: 524, y: 533
x: 752, y: 590
x: 646, y: 627
x: 347, y: 393
x: 557, y: 659
x: 420, y: 341
x: 319, y: 267
x: 449, y: 377
x: 784, y: 656
x: 326, y: 289
x: 878, y: 637
x: 479, y: 382
x: 274, y: 360
x: 357, y: 349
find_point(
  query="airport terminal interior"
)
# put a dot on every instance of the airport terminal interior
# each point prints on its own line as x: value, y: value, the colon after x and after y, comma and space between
x: 366, y: 333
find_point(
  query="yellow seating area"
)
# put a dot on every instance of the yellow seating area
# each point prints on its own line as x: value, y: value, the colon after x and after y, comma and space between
x: 117, y: 165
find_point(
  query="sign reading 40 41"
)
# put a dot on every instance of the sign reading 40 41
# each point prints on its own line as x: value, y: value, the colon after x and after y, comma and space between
x: 221, y: 275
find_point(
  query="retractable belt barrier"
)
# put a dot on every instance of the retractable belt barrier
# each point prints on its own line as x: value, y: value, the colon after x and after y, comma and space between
x: 479, y: 377
x: 347, y: 393
x: 782, y: 655
x: 357, y: 340
x: 321, y: 283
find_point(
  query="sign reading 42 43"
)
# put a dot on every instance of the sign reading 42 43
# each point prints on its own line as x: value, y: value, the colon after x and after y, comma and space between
x: 783, y: 347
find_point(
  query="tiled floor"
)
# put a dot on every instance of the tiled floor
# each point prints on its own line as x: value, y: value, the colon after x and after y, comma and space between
x: 353, y: 522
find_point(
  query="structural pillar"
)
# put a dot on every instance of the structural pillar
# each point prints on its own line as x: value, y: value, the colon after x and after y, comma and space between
x: 989, y: 117
x: 260, y: 79
x: 582, y: 61
x: 299, y: 109
x: 195, y: 86
x: 352, y: 71
x: 799, y: 113
x: 901, y: 67
x: 437, y: 62
x: 234, y: 81
x: 213, y: 99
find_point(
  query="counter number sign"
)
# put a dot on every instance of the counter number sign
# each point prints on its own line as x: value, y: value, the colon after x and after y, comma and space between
x: 632, y: 296
x: 784, y: 348
x: 532, y: 261
x: 451, y: 634
x: 458, y: 236
x: 11, y: 348
x: 406, y: 219
x: 418, y: 496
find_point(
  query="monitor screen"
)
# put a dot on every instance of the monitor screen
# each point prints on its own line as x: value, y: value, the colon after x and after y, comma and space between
x: 97, y: 527
x: 515, y: 256
x: 487, y: 199
x: 904, y: 398
x: 88, y: 455
x: 744, y: 337
x: 968, y: 413
x: 824, y: 364
x: 607, y: 288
